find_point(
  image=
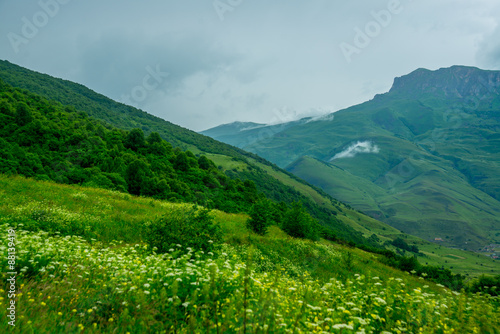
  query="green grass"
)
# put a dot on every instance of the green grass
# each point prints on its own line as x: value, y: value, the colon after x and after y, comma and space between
x: 106, y: 279
x: 227, y: 163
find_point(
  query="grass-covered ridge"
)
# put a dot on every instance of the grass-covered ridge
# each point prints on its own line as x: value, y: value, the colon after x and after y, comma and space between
x: 110, y: 280
x: 68, y: 97
x: 435, y: 170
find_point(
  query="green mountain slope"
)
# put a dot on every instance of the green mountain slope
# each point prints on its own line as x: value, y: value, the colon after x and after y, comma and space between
x: 424, y: 157
x: 244, y: 134
x: 108, y: 278
x: 275, y: 183
x: 50, y: 142
x: 86, y: 142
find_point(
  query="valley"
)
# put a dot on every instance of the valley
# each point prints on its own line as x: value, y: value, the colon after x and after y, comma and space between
x: 423, y: 157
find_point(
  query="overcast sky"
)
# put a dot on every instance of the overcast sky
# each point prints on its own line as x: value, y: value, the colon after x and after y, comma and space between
x: 201, y: 63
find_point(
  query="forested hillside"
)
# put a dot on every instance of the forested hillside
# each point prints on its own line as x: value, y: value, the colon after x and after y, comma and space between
x: 275, y: 183
x: 51, y: 142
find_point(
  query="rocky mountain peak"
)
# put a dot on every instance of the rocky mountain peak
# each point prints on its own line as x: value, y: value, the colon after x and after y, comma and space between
x: 452, y: 82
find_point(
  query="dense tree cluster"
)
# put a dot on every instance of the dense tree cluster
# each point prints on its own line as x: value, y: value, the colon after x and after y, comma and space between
x: 401, y: 244
x: 293, y: 219
x: 47, y: 141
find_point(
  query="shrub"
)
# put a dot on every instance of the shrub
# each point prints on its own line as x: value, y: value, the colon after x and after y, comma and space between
x: 260, y: 217
x: 192, y: 227
x: 486, y: 284
x: 299, y: 224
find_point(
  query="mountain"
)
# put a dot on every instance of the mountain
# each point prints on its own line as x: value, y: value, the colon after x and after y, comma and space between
x: 74, y: 101
x: 70, y: 134
x: 243, y: 134
x: 423, y: 157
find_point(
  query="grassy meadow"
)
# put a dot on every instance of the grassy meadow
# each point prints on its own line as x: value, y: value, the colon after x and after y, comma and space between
x: 83, y: 267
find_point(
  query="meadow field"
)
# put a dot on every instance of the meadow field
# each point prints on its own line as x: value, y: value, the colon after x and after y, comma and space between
x: 83, y: 266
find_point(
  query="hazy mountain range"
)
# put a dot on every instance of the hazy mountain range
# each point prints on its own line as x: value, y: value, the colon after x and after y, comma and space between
x: 423, y: 157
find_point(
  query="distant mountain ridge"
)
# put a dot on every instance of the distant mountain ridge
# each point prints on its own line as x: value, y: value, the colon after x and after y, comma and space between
x: 456, y: 81
x: 423, y: 157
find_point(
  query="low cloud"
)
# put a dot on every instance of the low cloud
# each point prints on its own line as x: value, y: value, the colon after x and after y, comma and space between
x: 354, y: 149
x: 322, y: 118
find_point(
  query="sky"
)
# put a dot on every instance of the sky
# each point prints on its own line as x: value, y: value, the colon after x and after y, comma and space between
x: 202, y: 63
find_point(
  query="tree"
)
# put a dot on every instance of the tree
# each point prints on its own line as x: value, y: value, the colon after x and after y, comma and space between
x: 204, y: 163
x: 135, y: 176
x: 6, y: 108
x: 181, y: 162
x: 299, y: 224
x: 23, y: 114
x: 154, y: 137
x: 135, y: 140
x: 260, y: 217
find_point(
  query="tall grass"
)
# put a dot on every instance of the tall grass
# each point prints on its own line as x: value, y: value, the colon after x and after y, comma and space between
x: 83, y: 267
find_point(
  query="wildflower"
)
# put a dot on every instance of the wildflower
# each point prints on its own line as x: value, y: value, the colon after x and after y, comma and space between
x: 314, y: 308
x: 340, y: 326
x: 146, y: 292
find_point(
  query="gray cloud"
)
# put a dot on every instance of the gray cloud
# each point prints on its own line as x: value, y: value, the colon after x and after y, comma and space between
x: 121, y: 66
x: 489, y: 51
x: 263, y: 58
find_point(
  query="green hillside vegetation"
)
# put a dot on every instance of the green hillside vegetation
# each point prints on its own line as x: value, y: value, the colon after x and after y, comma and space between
x: 435, y: 173
x: 64, y: 145
x: 72, y: 96
x: 47, y: 141
x: 115, y: 279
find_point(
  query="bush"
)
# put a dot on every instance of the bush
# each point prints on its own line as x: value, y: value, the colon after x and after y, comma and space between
x: 192, y: 227
x: 260, y: 217
x: 400, y: 243
x: 299, y: 224
x: 486, y: 284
